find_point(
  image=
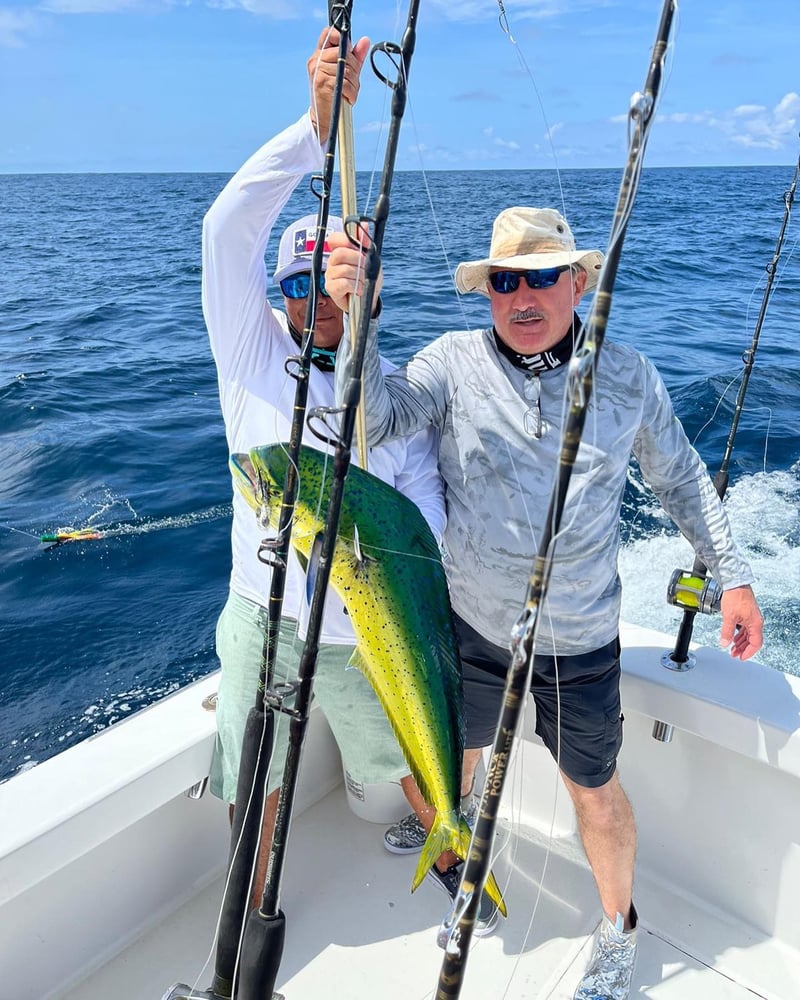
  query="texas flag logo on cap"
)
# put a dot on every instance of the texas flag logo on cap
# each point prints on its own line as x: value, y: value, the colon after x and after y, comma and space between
x: 305, y: 240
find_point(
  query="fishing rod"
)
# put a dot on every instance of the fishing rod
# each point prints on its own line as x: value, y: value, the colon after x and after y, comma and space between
x: 347, y: 180
x: 264, y: 932
x: 262, y: 947
x: 694, y: 590
x: 456, y: 930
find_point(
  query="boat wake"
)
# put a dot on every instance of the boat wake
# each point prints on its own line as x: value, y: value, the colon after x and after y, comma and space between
x: 764, y: 510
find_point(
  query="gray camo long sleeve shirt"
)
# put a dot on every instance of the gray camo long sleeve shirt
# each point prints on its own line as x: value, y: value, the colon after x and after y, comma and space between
x: 498, y: 478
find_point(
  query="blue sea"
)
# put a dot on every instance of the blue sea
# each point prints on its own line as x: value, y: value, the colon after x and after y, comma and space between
x: 109, y: 416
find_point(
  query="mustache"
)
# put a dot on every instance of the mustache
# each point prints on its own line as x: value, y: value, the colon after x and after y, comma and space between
x: 525, y: 314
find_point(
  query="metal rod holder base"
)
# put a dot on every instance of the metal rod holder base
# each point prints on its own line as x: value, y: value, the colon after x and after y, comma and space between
x: 180, y: 991
x: 670, y: 664
x: 663, y: 731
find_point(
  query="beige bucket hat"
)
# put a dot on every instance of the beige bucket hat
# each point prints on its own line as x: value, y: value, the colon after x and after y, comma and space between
x: 524, y: 238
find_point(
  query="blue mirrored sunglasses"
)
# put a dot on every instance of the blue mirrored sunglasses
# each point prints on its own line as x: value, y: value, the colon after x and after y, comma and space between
x: 508, y: 281
x: 297, y: 286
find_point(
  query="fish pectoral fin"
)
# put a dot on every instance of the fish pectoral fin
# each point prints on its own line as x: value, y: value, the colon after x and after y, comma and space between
x: 357, y: 662
x: 312, y: 565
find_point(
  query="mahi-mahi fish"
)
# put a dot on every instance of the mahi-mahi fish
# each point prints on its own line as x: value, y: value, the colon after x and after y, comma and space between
x: 387, y: 570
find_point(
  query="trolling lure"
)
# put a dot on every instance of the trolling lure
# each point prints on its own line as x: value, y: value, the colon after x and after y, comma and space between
x: 694, y: 590
x: 71, y: 535
x: 456, y: 930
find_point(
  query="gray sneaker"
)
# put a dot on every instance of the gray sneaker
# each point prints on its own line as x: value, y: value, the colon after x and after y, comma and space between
x: 408, y: 835
x: 611, y: 968
x: 488, y: 914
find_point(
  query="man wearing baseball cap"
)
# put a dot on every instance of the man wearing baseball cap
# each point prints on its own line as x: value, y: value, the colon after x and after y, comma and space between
x: 252, y: 344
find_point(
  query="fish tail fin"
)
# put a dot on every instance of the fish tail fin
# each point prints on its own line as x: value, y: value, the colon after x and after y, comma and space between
x: 435, y: 845
x: 447, y: 834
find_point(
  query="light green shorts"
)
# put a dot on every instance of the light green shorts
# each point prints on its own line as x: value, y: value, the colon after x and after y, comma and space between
x: 368, y: 746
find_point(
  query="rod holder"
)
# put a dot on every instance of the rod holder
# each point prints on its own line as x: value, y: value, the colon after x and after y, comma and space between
x: 197, y: 789
x: 663, y: 731
x: 671, y: 664
x: 182, y: 992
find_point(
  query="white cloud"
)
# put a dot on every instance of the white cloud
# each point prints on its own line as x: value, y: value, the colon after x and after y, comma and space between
x: 284, y: 10
x: 15, y: 25
x: 754, y: 126
x: 498, y: 141
x: 89, y: 6
x: 479, y: 10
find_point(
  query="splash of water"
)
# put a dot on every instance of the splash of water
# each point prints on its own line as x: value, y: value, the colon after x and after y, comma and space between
x: 764, y: 510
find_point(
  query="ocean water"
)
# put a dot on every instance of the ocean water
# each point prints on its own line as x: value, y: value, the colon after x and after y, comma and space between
x: 109, y: 416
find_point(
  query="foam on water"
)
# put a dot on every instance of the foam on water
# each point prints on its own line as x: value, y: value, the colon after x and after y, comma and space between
x: 764, y: 510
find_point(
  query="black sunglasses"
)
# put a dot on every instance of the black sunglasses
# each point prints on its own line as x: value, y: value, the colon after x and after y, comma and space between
x: 297, y: 286
x: 504, y: 282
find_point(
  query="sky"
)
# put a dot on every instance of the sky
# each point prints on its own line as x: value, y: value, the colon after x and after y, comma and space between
x: 198, y: 85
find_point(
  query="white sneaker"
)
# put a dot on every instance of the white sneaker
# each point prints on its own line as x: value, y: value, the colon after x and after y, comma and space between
x: 611, y: 969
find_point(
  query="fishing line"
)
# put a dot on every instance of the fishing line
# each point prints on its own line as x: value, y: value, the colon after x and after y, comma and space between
x: 506, y: 29
x: 720, y: 401
x: 440, y: 236
x: 766, y: 439
x: 382, y: 122
x: 757, y: 287
x: 367, y: 548
x: 557, y: 785
x: 20, y: 531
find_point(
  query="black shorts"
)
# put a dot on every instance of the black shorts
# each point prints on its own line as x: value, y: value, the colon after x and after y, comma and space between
x: 588, y: 688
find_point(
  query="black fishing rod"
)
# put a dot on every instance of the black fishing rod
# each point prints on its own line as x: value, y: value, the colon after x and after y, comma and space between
x: 695, y: 591
x: 258, y: 737
x: 456, y: 930
x: 264, y: 932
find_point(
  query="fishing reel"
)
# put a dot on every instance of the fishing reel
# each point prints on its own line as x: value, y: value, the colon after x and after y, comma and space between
x: 696, y: 593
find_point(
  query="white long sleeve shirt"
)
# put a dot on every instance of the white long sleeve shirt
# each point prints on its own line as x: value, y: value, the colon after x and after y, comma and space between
x: 498, y: 479
x: 250, y: 342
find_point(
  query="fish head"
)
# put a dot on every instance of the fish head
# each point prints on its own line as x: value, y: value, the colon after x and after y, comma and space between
x: 258, y: 486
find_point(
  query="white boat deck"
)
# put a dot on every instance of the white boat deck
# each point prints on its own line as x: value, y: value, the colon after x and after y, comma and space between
x: 110, y: 875
x: 355, y: 932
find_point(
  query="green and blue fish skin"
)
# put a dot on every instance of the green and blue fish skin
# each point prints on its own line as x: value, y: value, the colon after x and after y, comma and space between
x: 387, y: 570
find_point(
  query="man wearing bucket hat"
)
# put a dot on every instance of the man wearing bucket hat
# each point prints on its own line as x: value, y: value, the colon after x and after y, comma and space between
x: 496, y: 396
x: 252, y: 344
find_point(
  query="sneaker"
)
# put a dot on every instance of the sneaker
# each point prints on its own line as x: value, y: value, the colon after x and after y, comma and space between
x: 611, y: 968
x: 408, y: 835
x: 488, y: 914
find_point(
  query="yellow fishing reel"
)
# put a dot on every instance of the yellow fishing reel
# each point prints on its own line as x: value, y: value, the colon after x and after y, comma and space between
x: 691, y: 592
